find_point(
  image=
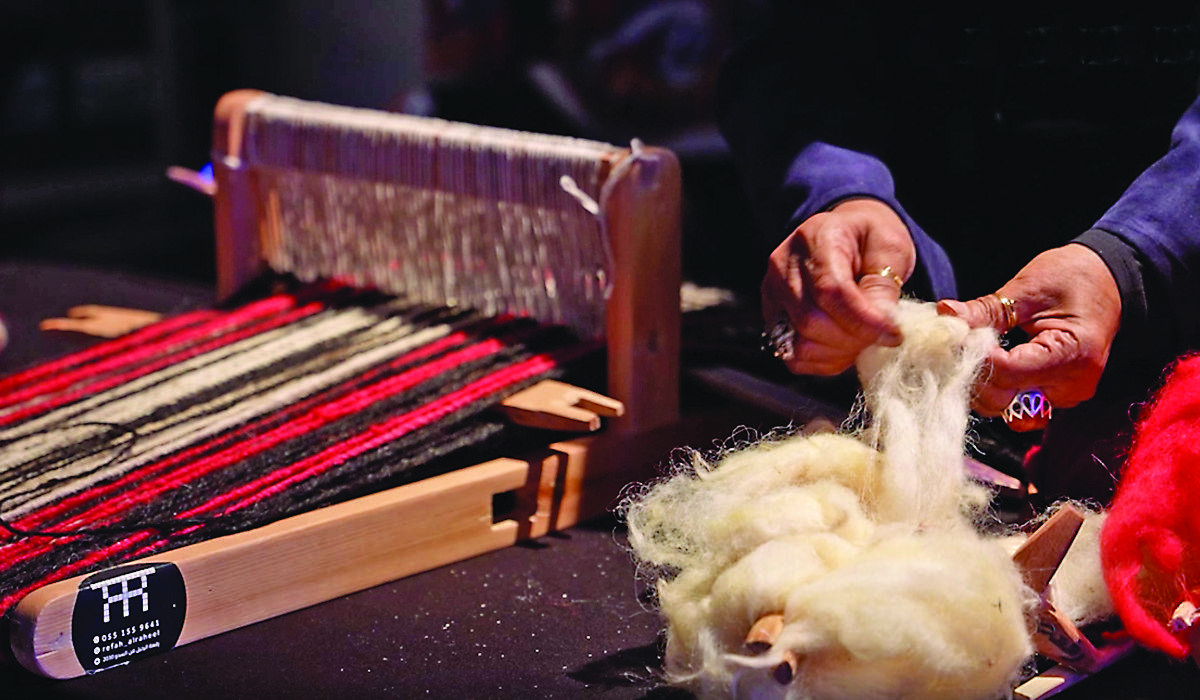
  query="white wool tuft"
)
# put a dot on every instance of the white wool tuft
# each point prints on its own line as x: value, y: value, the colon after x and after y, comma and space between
x: 864, y: 543
x: 918, y: 395
x: 1077, y: 588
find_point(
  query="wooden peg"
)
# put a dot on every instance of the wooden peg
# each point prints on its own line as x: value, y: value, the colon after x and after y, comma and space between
x: 1040, y: 556
x: 554, y: 405
x: 101, y: 321
x: 761, y: 638
x: 763, y: 633
x: 1186, y: 619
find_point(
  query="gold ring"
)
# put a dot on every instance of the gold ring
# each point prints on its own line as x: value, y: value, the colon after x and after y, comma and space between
x: 1029, y: 410
x: 1010, y: 310
x: 885, y: 273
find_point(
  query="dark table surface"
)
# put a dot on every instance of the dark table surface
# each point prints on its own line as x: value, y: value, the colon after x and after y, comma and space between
x: 562, y: 617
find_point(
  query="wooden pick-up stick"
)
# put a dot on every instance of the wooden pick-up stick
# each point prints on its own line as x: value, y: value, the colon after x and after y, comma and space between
x: 553, y: 405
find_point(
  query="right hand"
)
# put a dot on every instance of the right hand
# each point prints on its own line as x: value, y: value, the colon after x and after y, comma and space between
x: 824, y: 277
x: 1069, y: 304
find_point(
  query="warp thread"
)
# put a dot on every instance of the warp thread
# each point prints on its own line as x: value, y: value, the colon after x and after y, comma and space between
x: 359, y: 186
x: 865, y: 542
x: 246, y: 416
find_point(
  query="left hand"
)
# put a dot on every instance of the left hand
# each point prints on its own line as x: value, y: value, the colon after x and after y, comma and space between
x: 1068, y: 303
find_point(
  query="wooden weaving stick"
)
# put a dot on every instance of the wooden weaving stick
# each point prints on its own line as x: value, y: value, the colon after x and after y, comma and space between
x: 761, y: 638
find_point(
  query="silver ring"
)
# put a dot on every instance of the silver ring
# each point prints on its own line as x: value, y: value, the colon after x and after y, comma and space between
x: 780, y: 338
x: 1029, y: 410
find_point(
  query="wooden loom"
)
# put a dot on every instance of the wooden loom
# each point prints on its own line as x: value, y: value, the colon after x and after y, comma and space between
x: 630, y: 199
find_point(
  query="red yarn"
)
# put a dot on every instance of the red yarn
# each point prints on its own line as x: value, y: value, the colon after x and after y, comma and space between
x: 1150, y: 544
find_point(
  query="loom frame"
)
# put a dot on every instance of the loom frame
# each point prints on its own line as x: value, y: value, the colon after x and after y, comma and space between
x: 313, y: 557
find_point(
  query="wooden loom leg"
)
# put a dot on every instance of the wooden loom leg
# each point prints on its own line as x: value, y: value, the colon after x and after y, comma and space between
x: 643, y: 318
x: 235, y: 208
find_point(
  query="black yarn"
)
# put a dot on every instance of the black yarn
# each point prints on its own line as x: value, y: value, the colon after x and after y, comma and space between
x: 122, y: 451
x: 452, y: 441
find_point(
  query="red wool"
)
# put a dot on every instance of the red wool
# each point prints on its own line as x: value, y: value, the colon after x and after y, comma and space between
x: 1150, y: 545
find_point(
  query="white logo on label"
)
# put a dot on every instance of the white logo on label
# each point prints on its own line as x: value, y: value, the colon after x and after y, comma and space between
x: 123, y: 593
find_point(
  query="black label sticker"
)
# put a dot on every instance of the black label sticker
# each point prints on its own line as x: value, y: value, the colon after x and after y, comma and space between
x: 127, y: 612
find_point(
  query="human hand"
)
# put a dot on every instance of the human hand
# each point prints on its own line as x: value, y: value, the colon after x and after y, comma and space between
x: 836, y: 278
x: 1066, y: 300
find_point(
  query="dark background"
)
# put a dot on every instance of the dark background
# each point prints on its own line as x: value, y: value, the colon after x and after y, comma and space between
x: 98, y: 99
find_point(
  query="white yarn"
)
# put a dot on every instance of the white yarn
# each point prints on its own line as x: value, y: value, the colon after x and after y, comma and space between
x: 388, y: 339
x: 864, y: 543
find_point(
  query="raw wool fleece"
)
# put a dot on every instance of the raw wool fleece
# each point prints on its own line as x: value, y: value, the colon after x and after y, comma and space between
x: 864, y: 542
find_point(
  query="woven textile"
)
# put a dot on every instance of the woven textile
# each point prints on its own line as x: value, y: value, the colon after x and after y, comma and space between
x: 213, y: 422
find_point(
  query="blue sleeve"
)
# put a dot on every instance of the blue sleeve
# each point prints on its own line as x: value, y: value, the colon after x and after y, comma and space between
x: 800, y: 147
x: 1150, y: 240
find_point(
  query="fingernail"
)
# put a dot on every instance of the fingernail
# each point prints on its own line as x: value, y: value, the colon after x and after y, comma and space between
x: 950, y: 307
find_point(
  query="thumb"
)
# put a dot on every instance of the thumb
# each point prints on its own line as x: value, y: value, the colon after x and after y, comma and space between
x: 998, y: 312
x: 882, y: 294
